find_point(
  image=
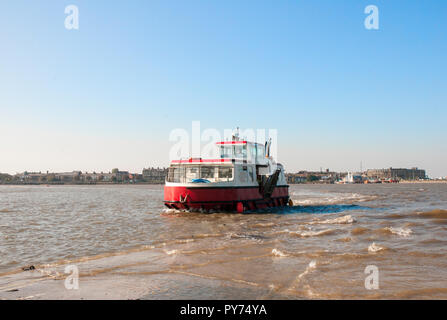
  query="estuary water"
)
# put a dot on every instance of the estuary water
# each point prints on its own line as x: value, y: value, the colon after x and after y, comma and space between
x: 317, y: 249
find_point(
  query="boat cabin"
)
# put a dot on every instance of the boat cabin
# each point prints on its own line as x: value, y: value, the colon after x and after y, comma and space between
x: 240, y: 162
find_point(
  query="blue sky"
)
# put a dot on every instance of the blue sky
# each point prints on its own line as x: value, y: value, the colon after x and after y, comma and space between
x: 108, y: 95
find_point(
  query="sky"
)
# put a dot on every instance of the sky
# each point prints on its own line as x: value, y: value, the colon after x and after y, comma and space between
x: 110, y: 93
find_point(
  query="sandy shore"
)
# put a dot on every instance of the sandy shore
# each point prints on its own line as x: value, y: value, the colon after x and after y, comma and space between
x: 151, y: 273
x: 99, y: 278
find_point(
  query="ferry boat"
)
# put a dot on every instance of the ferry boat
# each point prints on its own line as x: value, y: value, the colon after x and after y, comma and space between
x: 244, y: 178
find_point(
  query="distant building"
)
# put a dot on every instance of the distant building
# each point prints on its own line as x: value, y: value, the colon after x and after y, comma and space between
x: 91, y: 177
x: 135, y: 177
x: 295, y: 178
x: 105, y: 177
x: 154, y: 175
x: 397, y: 173
x: 74, y: 176
x: 31, y: 177
x: 4, y: 177
x: 312, y: 176
x: 121, y: 176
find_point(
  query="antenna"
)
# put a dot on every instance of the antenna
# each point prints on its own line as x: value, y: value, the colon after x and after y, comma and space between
x: 236, y: 135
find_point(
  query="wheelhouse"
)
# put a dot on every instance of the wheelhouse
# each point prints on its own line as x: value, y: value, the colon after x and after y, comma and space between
x: 242, y: 150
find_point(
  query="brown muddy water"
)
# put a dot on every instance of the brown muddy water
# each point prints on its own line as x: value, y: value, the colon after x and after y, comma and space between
x: 318, y: 249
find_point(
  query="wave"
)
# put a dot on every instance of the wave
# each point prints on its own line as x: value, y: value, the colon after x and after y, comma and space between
x: 207, y: 235
x: 394, y: 216
x: 403, y: 232
x: 434, y: 242
x: 425, y: 254
x: 351, y: 256
x: 334, y: 208
x: 347, y: 239
x: 309, y: 233
x: 168, y: 212
x: 6, y: 211
x: 434, y: 214
x: 328, y: 208
x: 314, y: 198
x: 278, y: 253
x: 431, y: 293
x: 373, y: 248
x: 400, y: 231
x: 359, y: 230
x: 340, y: 220
x: 181, y: 241
x: 312, y: 266
x: 264, y: 225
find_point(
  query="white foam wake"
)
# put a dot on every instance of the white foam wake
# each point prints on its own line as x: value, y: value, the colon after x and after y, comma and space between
x: 340, y: 220
x: 312, y: 265
x: 373, y: 248
x: 403, y: 232
x: 329, y: 198
x: 311, y: 233
x: 278, y: 253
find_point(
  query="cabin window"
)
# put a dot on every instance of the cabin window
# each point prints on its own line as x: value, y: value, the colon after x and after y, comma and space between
x: 253, y: 153
x: 260, y: 153
x: 207, y: 173
x: 181, y: 174
x: 225, y: 173
x: 226, y: 151
x: 236, y: 151
x: 192, y: 173
x: 174, y: 174
x: 240, y: 151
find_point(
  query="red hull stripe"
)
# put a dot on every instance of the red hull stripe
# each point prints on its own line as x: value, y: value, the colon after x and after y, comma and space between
x: 232, y: 142
x: 203, y: 194
x: 233, y: 187
x: 201, y: 161
x: 222, y: 202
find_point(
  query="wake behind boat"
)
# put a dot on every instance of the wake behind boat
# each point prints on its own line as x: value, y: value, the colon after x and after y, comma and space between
x: 245, y: 177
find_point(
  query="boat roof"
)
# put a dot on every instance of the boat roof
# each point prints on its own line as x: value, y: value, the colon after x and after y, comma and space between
x: 237, y: 142
x: 200, y: 160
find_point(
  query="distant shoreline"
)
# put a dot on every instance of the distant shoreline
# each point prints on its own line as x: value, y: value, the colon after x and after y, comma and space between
x: 162, y: 183
x: 76, y: 184
x: 428, y: 181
